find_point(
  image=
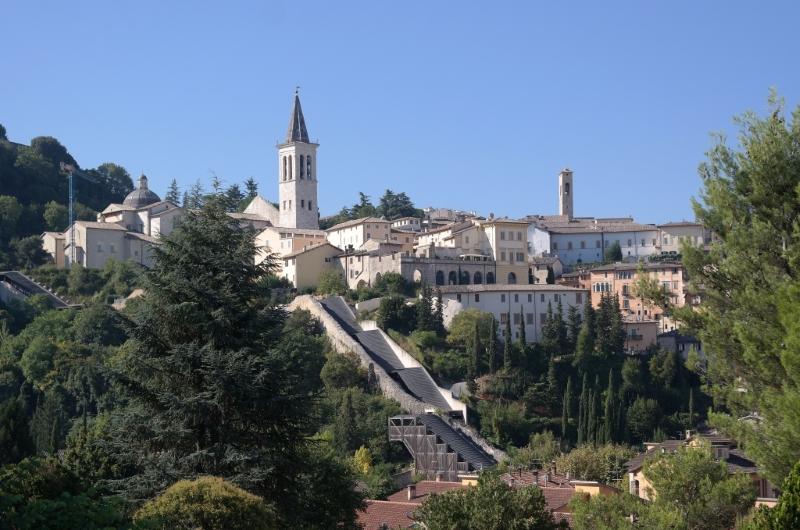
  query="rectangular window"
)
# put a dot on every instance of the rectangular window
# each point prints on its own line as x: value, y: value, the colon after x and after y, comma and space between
x: 569, y: 245
x: 630, y: 243
x: 309, y: 205
x: 578, y: 298
x: 530, y: 298
x: 502, y: 256
x: 519, y: 236
x: 111, y: 248
x: 625, y: 304
x: 516, y: 298
x: 284, y: 205
x: 643, y: 243
x: 503, y: 318
x: 290, y: 204
x: 458, y: 297
x: 516, y: 319
x: 477, y: 297
x: 557, y: 297
x: 466, y: 240
x: 99, y: 247
x: 597, y: 243
x: 654, y: 242
x: 542, y: 318
x: 302, y: 203
x: 529, y: 318
x: 555, y: 245
x: 520, y: 257
x: 583, y: 244
x: 502, y: 298
x: 542, y: 298
x: 502, y: 236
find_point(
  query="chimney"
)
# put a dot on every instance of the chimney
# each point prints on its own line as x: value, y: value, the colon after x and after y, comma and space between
x: 412, y: 491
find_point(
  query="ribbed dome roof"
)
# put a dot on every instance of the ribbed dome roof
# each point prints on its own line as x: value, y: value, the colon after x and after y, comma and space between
x: 141, y: 196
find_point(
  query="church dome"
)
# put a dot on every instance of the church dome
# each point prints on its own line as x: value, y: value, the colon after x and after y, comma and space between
x: 141, y: 196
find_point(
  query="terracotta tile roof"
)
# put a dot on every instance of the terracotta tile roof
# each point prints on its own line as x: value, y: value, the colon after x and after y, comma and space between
x: 390, y: 513
x: 424, y: 489
x: 356, y: 222
x: 498, y: 287
x: 101, y: 226
x: 539, y: 477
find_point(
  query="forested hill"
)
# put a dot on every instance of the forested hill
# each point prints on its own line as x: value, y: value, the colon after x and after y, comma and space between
x: 34, y: 194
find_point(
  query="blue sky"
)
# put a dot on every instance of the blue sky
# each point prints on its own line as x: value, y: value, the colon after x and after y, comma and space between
x: 473, y: 105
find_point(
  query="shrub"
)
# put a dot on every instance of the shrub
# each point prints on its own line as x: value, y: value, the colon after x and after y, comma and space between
x: 209, y: 503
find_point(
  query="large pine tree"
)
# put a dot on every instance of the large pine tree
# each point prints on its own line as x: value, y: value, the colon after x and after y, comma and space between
x: 219, y: 382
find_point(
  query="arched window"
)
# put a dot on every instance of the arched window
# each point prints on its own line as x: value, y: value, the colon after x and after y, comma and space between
x: 489, y: 278
x: 463, y: 278
x: 302, y: 166
x: 439, y: 278
x: 477, y: 279
x: 512, y: 278
x: 309, y: 175
x: 566, y: 188
x: 290, y: 168
x: 452, y: 278
x: 284, y: 168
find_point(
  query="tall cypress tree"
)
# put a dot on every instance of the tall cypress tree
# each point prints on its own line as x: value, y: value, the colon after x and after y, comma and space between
x: 491, y: 346
x: 573, y: 328
x: 425, y: 320
x: 591, y: 418
x: 438, y: 314
x: 691, y: 408
x: 566, y: 412
x: 583, y: 411
x: 508, y: 351
x: 584, y: 348
x: 609, y: 420
x: 560, y: 329
x: 522, y: 340
x: 475, y: 361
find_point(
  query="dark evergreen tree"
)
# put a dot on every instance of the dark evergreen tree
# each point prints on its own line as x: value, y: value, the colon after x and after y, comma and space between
x: 219, y: 382
x: 609, y: 413
x: 345, y: 429
x: 425, y: 318
x: 491, y: 347
x: 560, y: 330
x: 438, y: 314
x: 251, y: 188
x: 173, y: 193
x: 15, y: 438
x: 591, y: 417
x: 566, y: 413
x: 573, y: 328
x: 523, y: 343
x: 475, y: 364
x: 584, y: 348
x: 508, y: 346
x: 583, y: 411
x: 551, y: 277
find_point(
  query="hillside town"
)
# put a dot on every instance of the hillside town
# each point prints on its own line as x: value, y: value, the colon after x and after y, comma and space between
x: 526, y: 266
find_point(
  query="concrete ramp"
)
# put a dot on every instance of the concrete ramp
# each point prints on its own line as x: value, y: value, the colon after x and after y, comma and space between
x: 14, y: 284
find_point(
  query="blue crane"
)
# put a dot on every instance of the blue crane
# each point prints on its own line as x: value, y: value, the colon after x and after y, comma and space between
x: 73, y: 172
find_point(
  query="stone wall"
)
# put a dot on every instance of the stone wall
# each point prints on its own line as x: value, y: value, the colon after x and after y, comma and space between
x: 342, y: 342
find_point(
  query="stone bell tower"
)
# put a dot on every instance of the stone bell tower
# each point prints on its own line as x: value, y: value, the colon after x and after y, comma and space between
x: 565, y: 193
x: 297, y: 175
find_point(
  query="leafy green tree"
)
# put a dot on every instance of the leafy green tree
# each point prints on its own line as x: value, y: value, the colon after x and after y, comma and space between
x: 331, y: 282
x: 15, y: 438
x: 542, y: 449
x: 207, y: 357
x: 209, y: 503
x: 116, y: 181
x: 699, y: 486
x: 462, y: 328
x: 41, y: 494
x: 10, y: 212
x: 622, y: 512
x: 99, y: 324
x: 343, y: 370
x: 786, y: 514
x: 491, y: 505
x: 394, y: 313
x: 642, y: 418
x: 750, y: 277
x: 604, y: 463
x: 173, y: 192
x: 613, y: 253
x: 56, y: 216
x: 29, y: 252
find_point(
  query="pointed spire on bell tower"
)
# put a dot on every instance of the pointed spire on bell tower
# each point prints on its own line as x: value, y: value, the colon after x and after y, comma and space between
x: 297, y: 124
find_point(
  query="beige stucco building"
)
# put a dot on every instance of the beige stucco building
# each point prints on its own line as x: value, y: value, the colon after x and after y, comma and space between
x: 125, y: 231
x: 620, y: 278
x: 304, y: 267
x: 353, y: 234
